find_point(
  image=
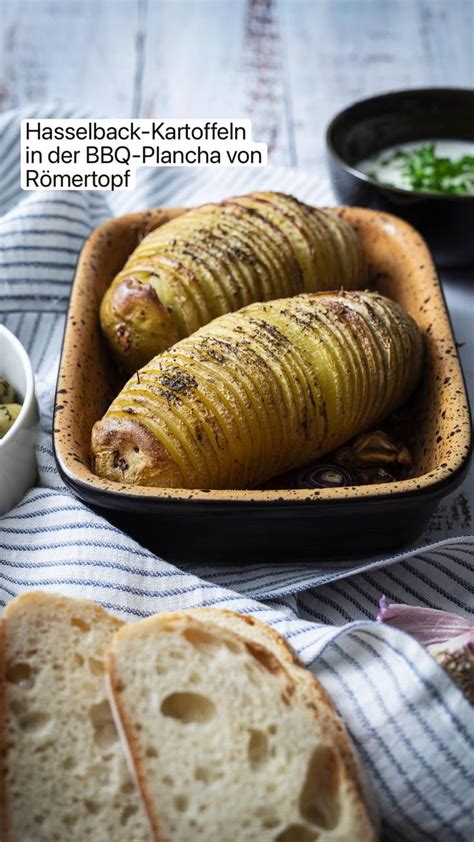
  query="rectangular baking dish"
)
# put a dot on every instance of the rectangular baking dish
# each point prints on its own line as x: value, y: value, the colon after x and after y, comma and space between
x: 273, y: 525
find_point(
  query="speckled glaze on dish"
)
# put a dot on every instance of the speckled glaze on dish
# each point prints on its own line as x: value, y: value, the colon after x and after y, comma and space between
x: 374, y: 517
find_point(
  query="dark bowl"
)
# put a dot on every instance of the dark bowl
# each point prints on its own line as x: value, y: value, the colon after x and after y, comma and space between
x: 369, y: 126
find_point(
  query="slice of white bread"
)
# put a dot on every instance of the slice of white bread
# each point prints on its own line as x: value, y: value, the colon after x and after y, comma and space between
x: 227, y: 744
x: 307, y: 686
x: 64, y: 773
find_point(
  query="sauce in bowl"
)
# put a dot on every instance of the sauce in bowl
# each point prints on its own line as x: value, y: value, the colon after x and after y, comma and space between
x: 431, y: 166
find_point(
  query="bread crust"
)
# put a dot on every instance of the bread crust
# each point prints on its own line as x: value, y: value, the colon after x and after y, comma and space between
x: 286, y: 663
x: 122, y: 721
x: 4, y: 811
x: 95, y: 619
x: 318, y: 696
x: 127, y: 738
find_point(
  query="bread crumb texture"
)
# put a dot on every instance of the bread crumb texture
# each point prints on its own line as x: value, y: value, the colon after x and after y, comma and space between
x: 228, y: 744
x: 65, y: 776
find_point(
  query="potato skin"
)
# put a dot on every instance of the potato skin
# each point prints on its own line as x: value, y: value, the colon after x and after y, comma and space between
x: 218, y: 258
x: 260, y: 391
x: 124, y: 306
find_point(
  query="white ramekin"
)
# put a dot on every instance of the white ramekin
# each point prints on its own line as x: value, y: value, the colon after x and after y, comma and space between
x: 17, y: 448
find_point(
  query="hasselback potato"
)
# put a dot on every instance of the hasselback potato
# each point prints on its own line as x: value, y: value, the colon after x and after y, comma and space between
x: 260, y: 391
x: 219, y: 257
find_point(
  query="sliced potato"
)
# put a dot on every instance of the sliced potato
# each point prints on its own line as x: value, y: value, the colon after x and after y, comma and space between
x: 7, y: 392
x: 9, y: 412
x: 258, y: 392
x: 218, y: 258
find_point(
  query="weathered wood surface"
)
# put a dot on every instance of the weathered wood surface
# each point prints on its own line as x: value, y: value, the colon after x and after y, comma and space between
x: 338, y: 52
x: 83, y: 53
x: 287, y: 64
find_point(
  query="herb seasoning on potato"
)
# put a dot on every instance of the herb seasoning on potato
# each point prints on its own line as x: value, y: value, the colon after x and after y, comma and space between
x: 7, y: 392
x: 218, y: 258
x: 9, y: 409
x: 260, y: 391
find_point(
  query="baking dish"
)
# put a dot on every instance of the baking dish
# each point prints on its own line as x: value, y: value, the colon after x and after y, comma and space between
x: 282, y: 524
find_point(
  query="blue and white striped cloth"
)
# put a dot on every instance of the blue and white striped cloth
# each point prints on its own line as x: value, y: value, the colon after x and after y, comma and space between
x: 413, y: 728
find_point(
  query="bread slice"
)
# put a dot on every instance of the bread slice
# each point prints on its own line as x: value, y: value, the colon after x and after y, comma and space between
x: 226, y: 740
x: 64, y: 776
x: 310, y: 689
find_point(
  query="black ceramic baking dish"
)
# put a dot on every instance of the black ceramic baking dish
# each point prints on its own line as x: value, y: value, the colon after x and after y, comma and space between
x: 269, y: 525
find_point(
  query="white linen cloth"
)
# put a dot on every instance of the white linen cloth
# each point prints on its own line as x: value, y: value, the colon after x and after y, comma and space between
x: 413, y: 728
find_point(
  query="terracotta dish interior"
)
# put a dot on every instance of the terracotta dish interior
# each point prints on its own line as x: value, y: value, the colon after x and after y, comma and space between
x: 400, y: 267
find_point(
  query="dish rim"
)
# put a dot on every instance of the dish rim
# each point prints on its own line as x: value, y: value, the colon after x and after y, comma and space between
x: 361, y: 176
x: 432, y: 484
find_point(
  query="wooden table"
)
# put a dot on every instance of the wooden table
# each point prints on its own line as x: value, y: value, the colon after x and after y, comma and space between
x: 287, y: 64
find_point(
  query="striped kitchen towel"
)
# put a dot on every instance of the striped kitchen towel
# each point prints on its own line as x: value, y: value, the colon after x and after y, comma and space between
x: 412, y: 726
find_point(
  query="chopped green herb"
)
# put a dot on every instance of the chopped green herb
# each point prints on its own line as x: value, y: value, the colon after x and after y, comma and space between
x: 427, y: 172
